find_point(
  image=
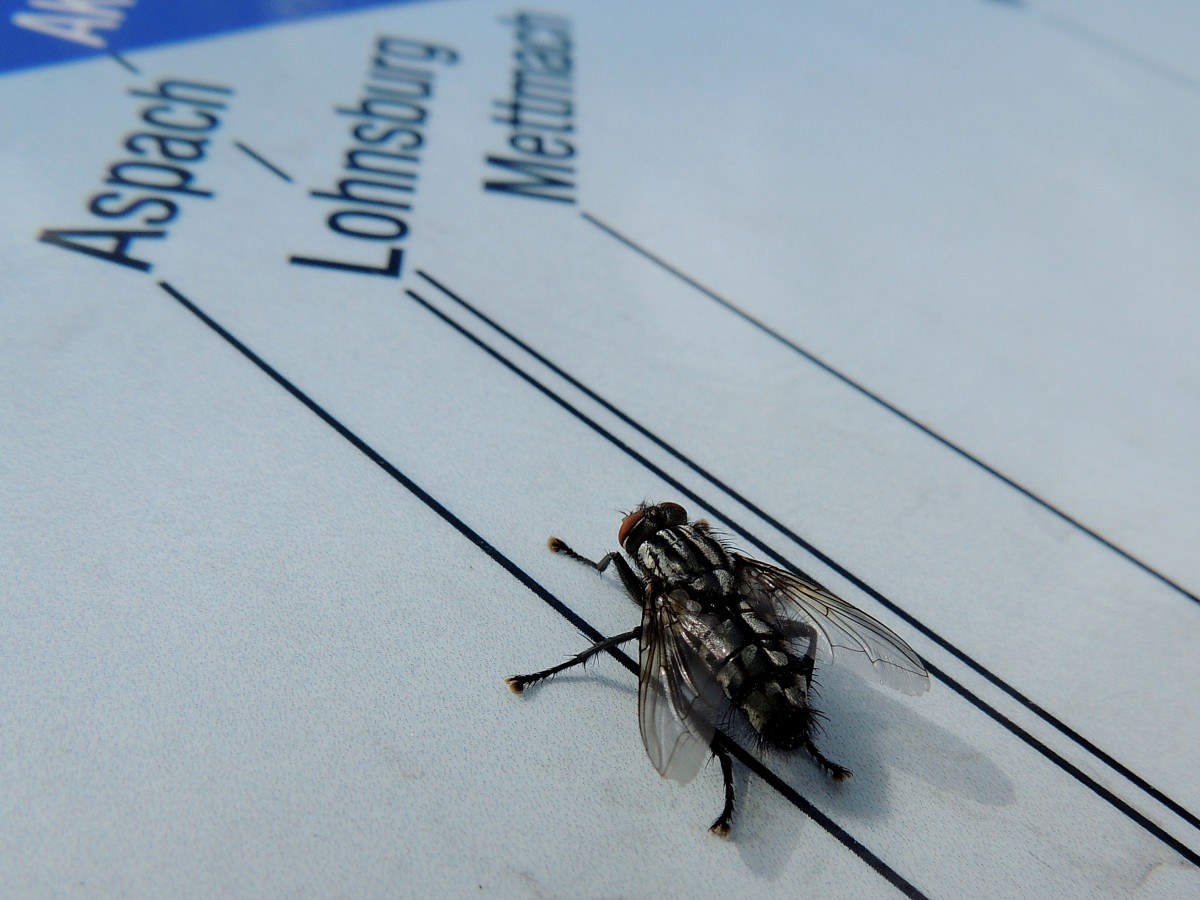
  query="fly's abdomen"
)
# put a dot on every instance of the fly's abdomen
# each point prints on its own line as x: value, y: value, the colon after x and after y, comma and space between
x: 767, y: 682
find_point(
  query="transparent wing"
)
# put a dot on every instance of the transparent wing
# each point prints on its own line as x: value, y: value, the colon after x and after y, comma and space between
x: 844, y: 634
x: 679, y: 699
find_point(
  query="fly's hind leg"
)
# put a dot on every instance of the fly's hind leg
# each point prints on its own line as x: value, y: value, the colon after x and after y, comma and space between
x: 518, y: 683
x: 629, y: 578
x: 724, y: 821
x: 836, y: 772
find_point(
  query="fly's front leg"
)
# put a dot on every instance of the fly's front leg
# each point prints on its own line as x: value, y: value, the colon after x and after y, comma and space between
x: 518, y: 683
x: 629, y: 578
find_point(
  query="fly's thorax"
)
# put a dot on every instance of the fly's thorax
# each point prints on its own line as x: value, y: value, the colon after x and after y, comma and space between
x: 685, y: 556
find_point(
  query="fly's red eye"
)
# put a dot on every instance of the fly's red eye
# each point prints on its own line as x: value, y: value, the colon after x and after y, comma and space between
x: 627, y: 525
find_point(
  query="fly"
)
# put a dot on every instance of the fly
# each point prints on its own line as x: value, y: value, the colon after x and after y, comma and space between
x: 725, y: 638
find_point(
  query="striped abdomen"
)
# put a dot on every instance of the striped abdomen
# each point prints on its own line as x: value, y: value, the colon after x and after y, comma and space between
x: 763, y: 677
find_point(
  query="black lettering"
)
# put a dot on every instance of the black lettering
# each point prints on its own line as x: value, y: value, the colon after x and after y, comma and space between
x: 365, y: 134
x: 545, y: 60
x: 177, y: 179
x: 527, y: 90
x: 178, y: 110
x: 345, y: 191
x: 101, y: 206
x: 418, y: 51
x: 423, y: 87
x: 396, y: 227
x: 175, y: 90
x: 353, y: 164
x: 167, y: 146
x: 151, y: 117
x: 379, y: 170
x: 536, y: 145
x: 391, y: 269
x: 541, y: 182
x: 371, y: 106
x: 539, y: 107
x: 120, y: 242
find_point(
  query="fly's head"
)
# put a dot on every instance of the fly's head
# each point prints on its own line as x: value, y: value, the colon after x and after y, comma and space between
x: 646, y: 521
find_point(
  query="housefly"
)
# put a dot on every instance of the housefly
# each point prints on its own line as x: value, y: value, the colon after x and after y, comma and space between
x: 725, y: 638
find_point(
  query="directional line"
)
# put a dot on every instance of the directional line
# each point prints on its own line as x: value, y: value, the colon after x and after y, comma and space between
x: 896, y: 411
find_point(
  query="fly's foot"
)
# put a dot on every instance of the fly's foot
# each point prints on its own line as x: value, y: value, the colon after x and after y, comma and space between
x: 517, y: 683
x: 721, y: 827
x: 836, y: 772
x: 724, y: 821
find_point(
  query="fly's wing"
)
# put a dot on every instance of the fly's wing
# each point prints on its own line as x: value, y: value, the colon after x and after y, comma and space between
x: 844, y: 634
x: 679, y: 699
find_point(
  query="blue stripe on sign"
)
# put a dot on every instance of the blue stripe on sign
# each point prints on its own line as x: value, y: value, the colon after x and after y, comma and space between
x: 32, y: 37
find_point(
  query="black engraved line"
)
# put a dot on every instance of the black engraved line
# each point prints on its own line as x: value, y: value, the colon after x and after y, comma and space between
x: 895, y: 410
x: 1068, y: 767
x: 258, y: 159
x: 1126, y: 55
x: 126, y: 64
x: 743, y: 756
x: 755, y: 765
x: 975, y: 666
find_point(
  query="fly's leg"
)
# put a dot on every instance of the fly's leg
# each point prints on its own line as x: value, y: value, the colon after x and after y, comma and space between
x: 836, y: 772
x: 725, y: 819
x: 629, y: 578
x: 518, y: 683
x: 633, y: 585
